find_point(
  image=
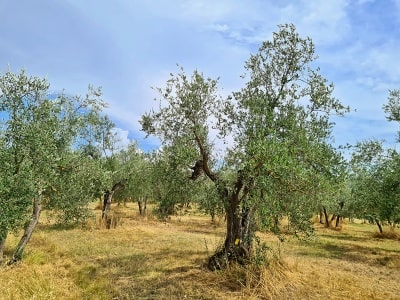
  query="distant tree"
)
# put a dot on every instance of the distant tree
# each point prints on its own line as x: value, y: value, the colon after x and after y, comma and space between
x: 375, y: 184
x: 375, y: 180
x: 170, y: 179
x: 280, y: 126
x: 392, y: 108
x: 208, y: 201
x: 38, y: 137
x: 103, y: 148
x: 136, y: 167
x: 333, y: 194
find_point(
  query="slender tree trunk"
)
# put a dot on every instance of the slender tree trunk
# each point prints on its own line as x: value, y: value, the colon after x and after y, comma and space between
x: 337, y: 221
x: 393, y: 225
x: 276, y: 223
x: 29, y: 228
x: 140, y: 206
x: 321, y: 217
x: 108, y: 195
x: 212, y: 214
x: 106, y: 208
x: 142, y: 203
x: 3, y: 237
x: 338, y: 217
x: 326, y: 218
x: 332, y: 218
x: 379, y: 226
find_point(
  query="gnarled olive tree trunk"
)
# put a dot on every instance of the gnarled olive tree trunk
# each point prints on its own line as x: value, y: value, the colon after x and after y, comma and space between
x: 239, y: 229
x: 239, y: 214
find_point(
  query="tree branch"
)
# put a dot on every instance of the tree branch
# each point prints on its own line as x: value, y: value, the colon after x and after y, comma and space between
x: 205, y: 156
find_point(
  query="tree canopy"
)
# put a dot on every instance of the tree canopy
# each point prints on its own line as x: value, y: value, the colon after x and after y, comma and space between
x: 42, y: 164
x: 280, y: 124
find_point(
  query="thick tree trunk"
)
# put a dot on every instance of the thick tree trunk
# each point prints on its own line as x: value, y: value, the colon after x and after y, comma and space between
x: 239, y: 224
x: 239, y: 236
x: 30, y: 227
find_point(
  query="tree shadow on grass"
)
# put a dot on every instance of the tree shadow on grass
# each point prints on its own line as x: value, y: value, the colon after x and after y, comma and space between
x: 346, y: 237
x: 352, y: 253
x: 141, y: 276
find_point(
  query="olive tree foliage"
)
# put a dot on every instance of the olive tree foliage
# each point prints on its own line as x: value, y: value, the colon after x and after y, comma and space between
x: 392, y: 108
x: 102, y: 147
x: 375, y: 178
x: 208, y: 201
x: 334, y: 202
x: 375, y: 184
x: 136, y: 169
x: 42, y: 166
x: 171, y: 187
x: 280, y: 124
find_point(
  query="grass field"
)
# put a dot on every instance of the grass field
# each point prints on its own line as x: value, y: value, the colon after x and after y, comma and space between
x: 143, y: 258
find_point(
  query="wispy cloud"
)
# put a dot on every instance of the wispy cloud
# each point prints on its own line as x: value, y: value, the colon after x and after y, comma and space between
x: 128, y: 46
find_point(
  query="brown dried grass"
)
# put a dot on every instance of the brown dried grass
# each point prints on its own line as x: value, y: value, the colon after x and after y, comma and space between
x: 142, y: 258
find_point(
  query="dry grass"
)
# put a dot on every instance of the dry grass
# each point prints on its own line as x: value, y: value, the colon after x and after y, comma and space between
x: 145, y: 259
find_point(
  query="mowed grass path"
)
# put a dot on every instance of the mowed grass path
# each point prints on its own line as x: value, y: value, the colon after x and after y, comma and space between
x: 143, y: 258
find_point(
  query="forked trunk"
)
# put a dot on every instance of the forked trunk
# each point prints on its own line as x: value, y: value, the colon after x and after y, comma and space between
x: 29, y: 228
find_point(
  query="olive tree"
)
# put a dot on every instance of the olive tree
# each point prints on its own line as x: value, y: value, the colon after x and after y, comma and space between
x: 280, y: 124
x: 375, y: 185
x: 170, y: 179
x: 375, y: 175
x: 102, y: 147
x: 41, y: 165
x: 135, y: 168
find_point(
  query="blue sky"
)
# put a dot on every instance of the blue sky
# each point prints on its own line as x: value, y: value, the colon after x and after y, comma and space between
x: 128, y: 46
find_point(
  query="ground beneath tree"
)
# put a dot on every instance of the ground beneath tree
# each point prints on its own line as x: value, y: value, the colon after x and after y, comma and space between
x: 143, y: 258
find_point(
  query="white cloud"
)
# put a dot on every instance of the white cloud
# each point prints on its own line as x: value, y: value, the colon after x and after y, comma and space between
x: 327, y: 22
x: 128, y: 46
x: 122, y: 138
